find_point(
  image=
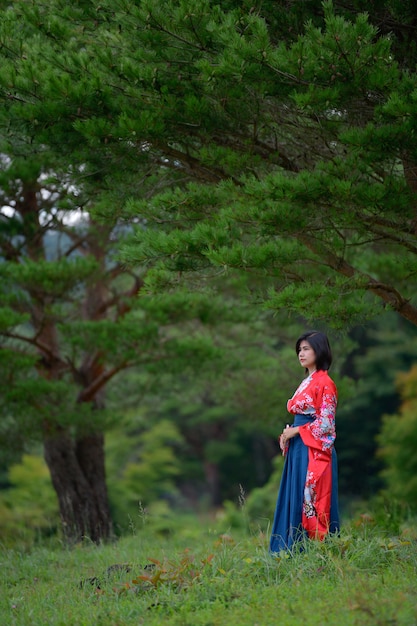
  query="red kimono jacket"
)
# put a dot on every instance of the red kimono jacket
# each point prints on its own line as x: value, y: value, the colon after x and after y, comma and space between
x: 317, y: 397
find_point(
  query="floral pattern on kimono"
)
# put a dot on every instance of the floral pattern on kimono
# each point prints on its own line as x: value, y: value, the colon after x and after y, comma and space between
x: 317, y: 397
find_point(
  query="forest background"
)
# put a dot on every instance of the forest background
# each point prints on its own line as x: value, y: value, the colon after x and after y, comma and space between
x: 186, y: 187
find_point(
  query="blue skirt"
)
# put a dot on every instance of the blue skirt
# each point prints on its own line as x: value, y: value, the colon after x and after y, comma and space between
x: 287, y: 528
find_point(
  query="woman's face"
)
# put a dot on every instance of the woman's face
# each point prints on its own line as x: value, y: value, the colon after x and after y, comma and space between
x: 307, y: 356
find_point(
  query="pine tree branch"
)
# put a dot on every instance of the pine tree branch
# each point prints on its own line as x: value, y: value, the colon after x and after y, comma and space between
x: 41, y: 347
x: 162, y: 29
x: 389, y: 294
x: 121, y: 300
x: 291, y: 78
x: 88, y: 393
x: 391, y: 236
x: 190, y: 164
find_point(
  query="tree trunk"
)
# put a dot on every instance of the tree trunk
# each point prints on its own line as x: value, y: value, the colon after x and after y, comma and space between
x: 78, y: 476
x: 212, y: 474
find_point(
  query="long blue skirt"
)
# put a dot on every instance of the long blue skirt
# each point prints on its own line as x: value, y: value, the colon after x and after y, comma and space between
x: 287, y: 528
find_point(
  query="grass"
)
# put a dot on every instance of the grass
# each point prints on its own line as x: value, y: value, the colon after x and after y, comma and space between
x: 194, y: 572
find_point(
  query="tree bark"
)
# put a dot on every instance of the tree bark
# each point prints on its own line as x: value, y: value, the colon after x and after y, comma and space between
x: 78, y: 476
x: 90, y: 454
x: 212, y: 474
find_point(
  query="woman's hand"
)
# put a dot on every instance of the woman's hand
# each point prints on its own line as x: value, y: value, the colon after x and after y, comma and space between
x: 288, y: 433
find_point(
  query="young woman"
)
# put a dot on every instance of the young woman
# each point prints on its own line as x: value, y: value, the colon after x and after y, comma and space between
x: 307, y: 503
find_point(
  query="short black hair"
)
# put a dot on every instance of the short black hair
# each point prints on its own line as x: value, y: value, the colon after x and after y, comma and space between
x: 320, y: 344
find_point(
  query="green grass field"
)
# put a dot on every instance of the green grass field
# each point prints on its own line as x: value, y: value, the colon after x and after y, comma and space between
x: 193, y: 572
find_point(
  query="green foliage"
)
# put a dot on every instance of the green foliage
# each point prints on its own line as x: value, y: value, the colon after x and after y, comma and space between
x: 379, y: 353
x: 299, y: 220
x: 260, y: 505
x: 256, y: 509
x: 29, y: 507
x: 227, y: 431
x: 397, y: 445
x: 306, y: 112
x: 142, y: 468
x: 55, y: 279
x: 343, y: 57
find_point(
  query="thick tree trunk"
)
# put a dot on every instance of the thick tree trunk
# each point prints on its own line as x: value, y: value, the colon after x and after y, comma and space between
x: 90, y: 455
x: 78, y: 476
x: 76, y: 463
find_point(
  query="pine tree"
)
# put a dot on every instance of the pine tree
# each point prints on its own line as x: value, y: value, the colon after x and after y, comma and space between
x: 70, y: 316
x: 303, y: 154
x: 300, y: 143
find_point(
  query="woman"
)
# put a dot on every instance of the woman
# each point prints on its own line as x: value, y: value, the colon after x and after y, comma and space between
x: 307, y: 503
